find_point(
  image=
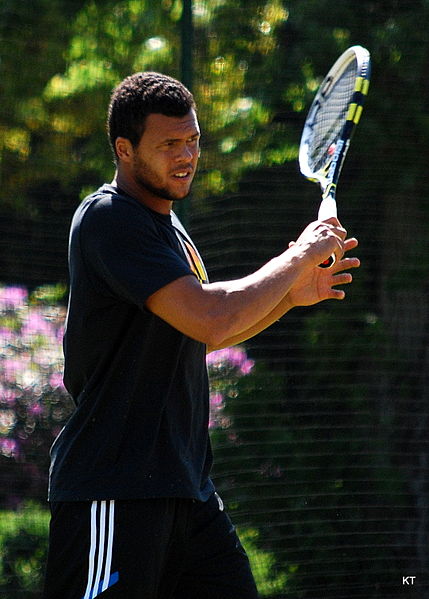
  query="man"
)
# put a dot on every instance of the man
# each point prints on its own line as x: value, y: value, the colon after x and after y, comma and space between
x: 134, y: 512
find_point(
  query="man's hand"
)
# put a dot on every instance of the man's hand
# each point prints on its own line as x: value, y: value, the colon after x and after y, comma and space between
x: 319, y: 240
x: 317, y: 284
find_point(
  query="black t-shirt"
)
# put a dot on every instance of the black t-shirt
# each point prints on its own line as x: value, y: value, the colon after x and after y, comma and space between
x: 140, y: 428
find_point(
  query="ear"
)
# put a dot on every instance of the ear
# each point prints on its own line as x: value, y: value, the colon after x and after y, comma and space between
x: 124, y: 149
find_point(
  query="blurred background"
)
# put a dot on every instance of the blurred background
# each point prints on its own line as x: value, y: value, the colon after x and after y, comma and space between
x: 320, y: 424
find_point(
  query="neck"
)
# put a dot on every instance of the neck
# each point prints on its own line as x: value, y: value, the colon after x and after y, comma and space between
x: 146, y: 197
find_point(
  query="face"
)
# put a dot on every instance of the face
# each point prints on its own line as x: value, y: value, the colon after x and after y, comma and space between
x: 165, y: 160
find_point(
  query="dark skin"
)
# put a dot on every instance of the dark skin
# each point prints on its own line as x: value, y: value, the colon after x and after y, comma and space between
x: 159, y: 171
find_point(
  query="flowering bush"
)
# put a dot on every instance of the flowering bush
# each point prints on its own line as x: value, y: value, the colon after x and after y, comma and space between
x: 34, y: 404
x: 226, y: 367
x: 33, y: 401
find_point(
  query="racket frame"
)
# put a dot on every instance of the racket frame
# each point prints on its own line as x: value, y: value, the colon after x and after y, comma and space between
x: 327, y: 176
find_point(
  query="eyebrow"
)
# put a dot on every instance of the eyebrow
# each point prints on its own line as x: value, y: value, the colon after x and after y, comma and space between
x: 170, y: 139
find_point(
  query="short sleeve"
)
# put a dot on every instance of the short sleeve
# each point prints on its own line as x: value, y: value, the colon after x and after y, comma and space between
x: 126, y: 251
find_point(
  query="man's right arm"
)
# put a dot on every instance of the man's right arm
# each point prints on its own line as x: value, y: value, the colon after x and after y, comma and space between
x: 217, y: 312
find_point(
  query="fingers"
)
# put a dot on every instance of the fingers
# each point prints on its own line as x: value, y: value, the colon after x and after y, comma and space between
x: 345, y: 263
x: 342, y: 279
x: 339, y: 277
x: 337, y: 294
x: 321, y: 239
x: 333, y: 230
x: 334, y: 224
x: 350, y: 244
x: 329, y: 237
x: 338, y: 274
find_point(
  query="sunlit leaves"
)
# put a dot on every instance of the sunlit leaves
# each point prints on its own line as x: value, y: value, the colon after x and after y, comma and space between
x: 79, y: 77
x: 15, y: 140
x: 109, y: 40
x: 235, y: 115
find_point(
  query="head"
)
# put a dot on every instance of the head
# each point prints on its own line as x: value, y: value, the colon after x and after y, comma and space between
x: 140, y: 95
x: 154, y: 133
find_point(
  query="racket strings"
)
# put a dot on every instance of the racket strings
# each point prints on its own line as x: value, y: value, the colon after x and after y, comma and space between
x: 329, y: 118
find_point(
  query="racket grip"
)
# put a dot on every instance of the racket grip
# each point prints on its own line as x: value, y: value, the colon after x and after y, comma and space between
x: 329, y: 262
x: 328, y: 209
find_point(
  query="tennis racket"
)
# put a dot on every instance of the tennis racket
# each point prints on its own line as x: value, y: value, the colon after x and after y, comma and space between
x: 331, y: 120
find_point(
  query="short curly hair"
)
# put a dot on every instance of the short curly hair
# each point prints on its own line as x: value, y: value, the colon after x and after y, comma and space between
x: 139, y: 95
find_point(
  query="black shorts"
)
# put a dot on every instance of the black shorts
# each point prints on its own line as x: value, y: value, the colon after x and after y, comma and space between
x: 146, y: 549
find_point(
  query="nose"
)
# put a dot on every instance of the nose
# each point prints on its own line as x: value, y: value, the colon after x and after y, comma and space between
x: 187, y: 152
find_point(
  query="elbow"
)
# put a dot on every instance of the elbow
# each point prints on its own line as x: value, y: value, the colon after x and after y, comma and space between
x: 218, y: 328
x: 224, y: 319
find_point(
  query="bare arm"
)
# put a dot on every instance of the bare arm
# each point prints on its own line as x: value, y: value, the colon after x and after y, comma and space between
x: 312, y: 287
x: 215, y: 313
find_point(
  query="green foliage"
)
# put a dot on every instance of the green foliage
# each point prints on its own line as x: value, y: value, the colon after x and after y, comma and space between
x: 252, y: 89
x: 23, y: 551
x: 268, y: 581
x: 61, y: 118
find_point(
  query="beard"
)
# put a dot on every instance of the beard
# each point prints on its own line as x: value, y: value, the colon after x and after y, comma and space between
x: 148, y: 179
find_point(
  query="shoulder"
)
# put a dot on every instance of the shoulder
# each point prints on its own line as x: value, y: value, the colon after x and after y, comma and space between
x: 108, y: 209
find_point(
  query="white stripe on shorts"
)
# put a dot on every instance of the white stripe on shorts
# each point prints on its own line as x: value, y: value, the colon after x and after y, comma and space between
x: 100, y: 551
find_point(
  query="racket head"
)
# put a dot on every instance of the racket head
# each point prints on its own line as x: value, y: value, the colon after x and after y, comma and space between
x: 332, y: 118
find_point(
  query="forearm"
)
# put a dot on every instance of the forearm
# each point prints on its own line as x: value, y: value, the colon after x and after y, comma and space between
x: 311, y: 286
x: 280, y: 310
x: 244, y: 307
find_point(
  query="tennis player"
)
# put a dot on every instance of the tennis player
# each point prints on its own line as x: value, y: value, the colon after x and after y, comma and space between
x: 135, y: 514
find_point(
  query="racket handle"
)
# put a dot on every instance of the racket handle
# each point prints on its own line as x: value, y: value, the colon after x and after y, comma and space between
x: 328, y: 209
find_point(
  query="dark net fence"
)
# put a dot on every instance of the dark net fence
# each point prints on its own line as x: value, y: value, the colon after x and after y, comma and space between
x: 320, y: 423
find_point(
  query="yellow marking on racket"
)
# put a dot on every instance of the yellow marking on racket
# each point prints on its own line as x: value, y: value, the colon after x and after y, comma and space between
x: 357, y: 115
x: 351, y: 112
x: 362, y: 85
x: 359, y: 84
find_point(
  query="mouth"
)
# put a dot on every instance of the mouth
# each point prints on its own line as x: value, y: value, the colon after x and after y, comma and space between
x: 182, y: 175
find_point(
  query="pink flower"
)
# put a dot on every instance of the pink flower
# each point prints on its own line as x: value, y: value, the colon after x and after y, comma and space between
x: 12, y: 297
x: 60, y: 334
x: 8, y: 395
x: 36, y: 409
x: 6, y: 335
x: 216, y: 400
x: 35, y: 324
x: 247, y: 366
x: 232, y: 356
x: 9, y: 447
x: 56, y: 380
x: 11, y: 367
